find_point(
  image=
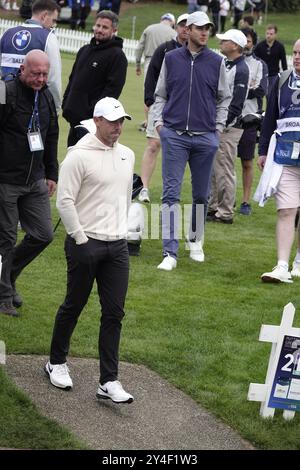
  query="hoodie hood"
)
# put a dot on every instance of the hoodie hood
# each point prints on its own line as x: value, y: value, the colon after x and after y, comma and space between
x: 90, y: 142
x: 115, y: 41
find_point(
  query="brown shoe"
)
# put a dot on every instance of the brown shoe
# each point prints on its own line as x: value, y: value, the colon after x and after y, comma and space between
x: 7, y: 308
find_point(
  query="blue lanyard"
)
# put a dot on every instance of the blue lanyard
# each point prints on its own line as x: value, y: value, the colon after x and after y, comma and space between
x: 34, y: 120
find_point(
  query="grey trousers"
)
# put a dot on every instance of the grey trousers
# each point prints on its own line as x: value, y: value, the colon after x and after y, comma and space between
x: 223, y: 182
x: 30, y: 205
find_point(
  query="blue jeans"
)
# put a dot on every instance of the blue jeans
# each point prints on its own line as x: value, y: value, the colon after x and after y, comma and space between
x: 177, y: 150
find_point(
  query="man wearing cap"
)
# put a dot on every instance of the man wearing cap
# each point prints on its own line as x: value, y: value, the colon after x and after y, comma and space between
x: 151, y: 38
x: 252, y: 116
x: 96, y: 169
x: 153, y: 142
x: 190, y: 109
x: 99, y: 70
x: 221, y: 204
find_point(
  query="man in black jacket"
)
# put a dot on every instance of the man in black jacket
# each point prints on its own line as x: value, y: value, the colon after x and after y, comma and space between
x: 28, y: 171
x: 272, y: 52
x: 99, y: 71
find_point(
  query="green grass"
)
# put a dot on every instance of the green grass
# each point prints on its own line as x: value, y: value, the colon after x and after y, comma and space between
x: 198, y: 326
x: 22, y: 427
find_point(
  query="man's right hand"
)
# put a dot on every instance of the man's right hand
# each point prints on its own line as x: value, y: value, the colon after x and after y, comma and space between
x: 261, y: 162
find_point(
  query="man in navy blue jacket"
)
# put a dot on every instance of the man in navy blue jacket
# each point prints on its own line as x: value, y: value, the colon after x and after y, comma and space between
x: 191, y: 102
x: 153, y: 143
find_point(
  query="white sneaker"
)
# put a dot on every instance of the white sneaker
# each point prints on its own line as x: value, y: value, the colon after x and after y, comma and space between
x: 196, y: 250
x: 296, y: 269
x: 279, y: 274
x: 114, y: 391
x: 59, y: 375
x: 144, y: 195
x: 15, y: 7
x: 168, y: 263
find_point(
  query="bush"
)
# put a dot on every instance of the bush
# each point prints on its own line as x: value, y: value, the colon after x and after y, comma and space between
x: 283, y: 5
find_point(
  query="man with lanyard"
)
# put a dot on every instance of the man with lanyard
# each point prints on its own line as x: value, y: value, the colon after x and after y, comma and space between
x: 190, y: 109
x: 28, y: 171
x: 282, y: 166
x: 36, y: 33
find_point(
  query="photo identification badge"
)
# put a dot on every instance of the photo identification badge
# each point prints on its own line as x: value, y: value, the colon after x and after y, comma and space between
x: 35, y: 141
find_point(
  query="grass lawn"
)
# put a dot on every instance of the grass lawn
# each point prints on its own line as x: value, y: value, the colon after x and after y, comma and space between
x: 198, y: 326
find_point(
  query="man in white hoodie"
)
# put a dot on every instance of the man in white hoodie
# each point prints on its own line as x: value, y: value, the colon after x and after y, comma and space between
x: 96, y: 169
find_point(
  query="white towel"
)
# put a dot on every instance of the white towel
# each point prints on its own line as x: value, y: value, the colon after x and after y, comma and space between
x: 270, y: 177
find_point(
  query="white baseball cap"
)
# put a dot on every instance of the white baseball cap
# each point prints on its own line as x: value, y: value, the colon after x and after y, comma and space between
x: 198, y: 18
x: 234, y: 35
x: 182, y: 17
x: 110, y: 108
x: 169, y: 17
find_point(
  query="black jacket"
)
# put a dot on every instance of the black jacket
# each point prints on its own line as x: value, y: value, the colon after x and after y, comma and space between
x: 99, y: 71
x: 18, y: 165
x: 154, y: 69
x: 272, y: 56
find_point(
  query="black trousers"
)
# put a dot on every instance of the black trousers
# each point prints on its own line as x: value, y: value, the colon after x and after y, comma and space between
x: 29, y: 204
x: 108, y: 264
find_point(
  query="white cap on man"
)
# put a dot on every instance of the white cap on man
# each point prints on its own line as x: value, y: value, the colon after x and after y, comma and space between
x: 198, y: 18
x: 168, y: 16
x: 182, y: 17
x: 110, y: 108
x: 234, y: 35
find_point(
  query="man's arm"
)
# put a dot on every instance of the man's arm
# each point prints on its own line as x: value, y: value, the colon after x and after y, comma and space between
x: 71, y: 77
x: 269, y: 123
x: 153, y: 74
x: 50, y: 145
x: 223, y: 99
x: 54, y: 77
x: 160, y: 96
x: 69, y: 184
x: 283, y: 58
x: 239, y: 93
x: 139, y: 52
x: 260, y: 87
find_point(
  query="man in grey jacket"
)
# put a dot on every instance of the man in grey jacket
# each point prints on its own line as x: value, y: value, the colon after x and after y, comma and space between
x: 190, y: 110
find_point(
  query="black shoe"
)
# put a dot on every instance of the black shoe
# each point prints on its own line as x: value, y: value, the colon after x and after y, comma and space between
x: 17, y: 300
x: 210, y: 216
x: 7, y: 308
x: 221, y: 221
x: 245, y: 208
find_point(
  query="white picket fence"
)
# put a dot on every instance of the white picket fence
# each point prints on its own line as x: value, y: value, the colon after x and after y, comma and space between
x: 71, y: 41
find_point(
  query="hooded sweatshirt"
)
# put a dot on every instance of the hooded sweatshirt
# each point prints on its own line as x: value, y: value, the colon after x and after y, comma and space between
x: 99, y: 71
x: 94, y: 190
